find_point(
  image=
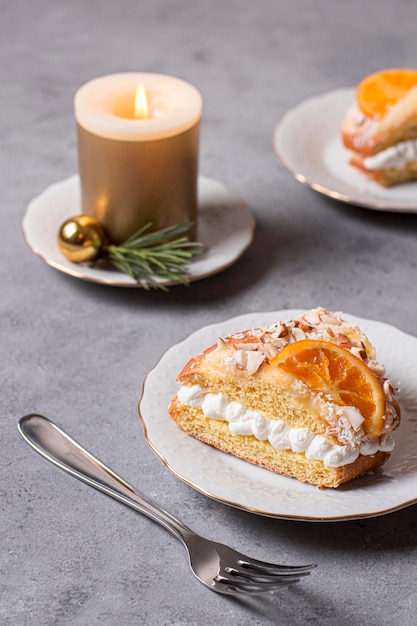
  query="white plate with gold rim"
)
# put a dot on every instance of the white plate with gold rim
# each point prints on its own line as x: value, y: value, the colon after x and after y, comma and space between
x: 225, y: 227
x: 245, y: 486
x: 307, y: 141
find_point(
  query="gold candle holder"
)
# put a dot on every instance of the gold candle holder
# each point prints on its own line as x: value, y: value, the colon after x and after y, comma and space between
x: 138, y: 140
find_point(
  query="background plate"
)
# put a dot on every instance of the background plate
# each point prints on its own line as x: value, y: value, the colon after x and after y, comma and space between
x: 240, y: 484
x: 307, y: 141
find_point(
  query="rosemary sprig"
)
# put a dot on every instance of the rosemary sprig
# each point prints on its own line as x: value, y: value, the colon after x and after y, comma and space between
x: 164, y: 253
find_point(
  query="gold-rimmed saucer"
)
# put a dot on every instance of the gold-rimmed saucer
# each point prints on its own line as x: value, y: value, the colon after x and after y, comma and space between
x: 225, y: 227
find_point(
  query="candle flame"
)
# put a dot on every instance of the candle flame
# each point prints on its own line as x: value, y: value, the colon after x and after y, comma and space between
x: 141, y: 102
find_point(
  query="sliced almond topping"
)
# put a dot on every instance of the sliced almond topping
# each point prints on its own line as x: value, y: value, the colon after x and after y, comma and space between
x: 247, y: 346
x: 283, y: 331
x: 274, y: 341
x: 312, y: 317
x: 269, y: 350
x: 250, y: 360
x: 377, y: 368
x: 329, y: 319
x: 298, y: 334
x: 241, y: 357
x: 361, y: 354
x: 355, y: 418
x: 254, y: 361
x: 388, y: 390
x: 342, y: 340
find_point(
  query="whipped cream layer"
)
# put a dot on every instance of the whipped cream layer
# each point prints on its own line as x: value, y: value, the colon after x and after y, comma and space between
x: 394, y: 157
x: 242, y: 421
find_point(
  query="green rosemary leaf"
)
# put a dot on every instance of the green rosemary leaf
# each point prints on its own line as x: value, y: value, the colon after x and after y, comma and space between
x: 149, y: 256
x: 140, y: 239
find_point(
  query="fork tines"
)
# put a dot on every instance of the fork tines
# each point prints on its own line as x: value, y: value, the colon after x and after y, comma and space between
x: 257, y: 577
x: 276, y: 570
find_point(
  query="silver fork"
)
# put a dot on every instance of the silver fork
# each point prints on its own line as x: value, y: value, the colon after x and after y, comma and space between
x: 217, y: 566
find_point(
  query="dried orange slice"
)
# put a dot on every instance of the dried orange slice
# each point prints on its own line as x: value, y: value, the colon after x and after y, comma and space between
x: 325, y: 367
x: 376, y: 93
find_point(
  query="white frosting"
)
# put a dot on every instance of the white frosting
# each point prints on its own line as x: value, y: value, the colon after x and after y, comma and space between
x: 394, y: 157
x: 191, y: 396
x: 247, y: 422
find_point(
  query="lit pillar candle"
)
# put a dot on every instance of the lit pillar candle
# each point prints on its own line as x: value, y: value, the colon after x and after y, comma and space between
x: 138, y: 137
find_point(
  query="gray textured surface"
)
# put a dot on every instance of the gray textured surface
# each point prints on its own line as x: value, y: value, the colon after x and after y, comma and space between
x: 79, y: 352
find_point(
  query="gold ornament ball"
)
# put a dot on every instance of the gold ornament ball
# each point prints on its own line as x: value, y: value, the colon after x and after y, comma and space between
x: 81, y: 238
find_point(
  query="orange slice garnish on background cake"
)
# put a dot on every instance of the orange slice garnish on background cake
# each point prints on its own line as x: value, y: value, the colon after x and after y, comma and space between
x: 326, y: 367
x: 376, y: 93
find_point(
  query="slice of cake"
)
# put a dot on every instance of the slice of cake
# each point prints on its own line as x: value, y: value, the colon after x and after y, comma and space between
x: 305, y: 398
x: 380, y: 128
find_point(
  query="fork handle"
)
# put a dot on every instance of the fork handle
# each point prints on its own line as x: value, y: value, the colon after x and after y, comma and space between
x: 56, y: 446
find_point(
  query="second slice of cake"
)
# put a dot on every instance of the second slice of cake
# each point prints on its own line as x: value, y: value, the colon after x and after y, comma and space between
x: 380, y: 127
